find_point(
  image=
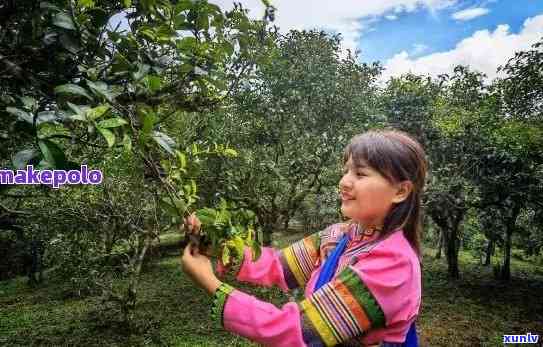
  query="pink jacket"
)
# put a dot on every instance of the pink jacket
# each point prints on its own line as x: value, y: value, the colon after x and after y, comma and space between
x: 374, y: 297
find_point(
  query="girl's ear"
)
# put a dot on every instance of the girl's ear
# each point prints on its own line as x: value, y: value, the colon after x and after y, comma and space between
x: 404, y: 188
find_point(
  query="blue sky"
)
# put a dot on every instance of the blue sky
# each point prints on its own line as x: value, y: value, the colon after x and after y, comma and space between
x: 424, y: 32
x: 427, y: 37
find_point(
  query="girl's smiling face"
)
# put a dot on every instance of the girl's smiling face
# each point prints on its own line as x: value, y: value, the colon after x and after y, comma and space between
x: 367, y: 196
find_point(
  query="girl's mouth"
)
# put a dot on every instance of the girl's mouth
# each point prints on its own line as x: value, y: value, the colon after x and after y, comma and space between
x: 346, y: 197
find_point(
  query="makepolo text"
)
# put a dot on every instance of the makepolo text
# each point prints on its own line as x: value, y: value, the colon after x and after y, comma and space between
x: 55, y: 178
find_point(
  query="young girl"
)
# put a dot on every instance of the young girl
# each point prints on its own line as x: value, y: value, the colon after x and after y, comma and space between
x: 374, y: 294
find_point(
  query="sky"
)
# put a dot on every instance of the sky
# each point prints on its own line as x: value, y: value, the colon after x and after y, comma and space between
x: 426, y: 37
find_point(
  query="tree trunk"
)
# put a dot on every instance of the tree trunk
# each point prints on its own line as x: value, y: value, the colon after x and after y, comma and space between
x: 267, y: 231
x: 489, y: 252
x: 452, y: 245
x: 286, y: 222
x: 506, y: 268
x: 510, y: 227
x: 452, y: 253
x: 439, y: 245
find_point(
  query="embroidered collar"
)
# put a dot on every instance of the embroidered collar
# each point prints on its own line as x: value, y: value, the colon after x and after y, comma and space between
x: 369, y: 233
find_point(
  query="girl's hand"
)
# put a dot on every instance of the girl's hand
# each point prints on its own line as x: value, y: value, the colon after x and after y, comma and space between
x: 198, y: 267
x: 192, y: 224
x: 192, y: 227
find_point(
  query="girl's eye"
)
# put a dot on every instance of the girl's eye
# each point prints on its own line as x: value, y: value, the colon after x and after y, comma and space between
x: 360, y: 174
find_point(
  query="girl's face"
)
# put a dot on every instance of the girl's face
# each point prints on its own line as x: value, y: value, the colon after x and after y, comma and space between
x: 367, y: 196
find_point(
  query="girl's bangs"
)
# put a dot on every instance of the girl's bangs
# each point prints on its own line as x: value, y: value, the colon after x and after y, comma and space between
x: 370, y: 149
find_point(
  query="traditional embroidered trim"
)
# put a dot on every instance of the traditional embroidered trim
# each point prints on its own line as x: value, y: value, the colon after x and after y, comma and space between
x: 299, y: 259
x: 340, y: 310
x: 330, y: 236
x: 219, y: 300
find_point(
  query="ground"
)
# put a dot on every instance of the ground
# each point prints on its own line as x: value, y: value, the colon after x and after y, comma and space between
x: 474, y: 311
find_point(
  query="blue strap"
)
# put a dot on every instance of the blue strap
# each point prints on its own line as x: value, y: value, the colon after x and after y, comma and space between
x: 328, y: 271
x: 330, y: 265
x: 411, y: 339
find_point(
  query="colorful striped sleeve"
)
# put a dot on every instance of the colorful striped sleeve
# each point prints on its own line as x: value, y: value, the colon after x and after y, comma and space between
x: 339, y: 311
x: 299, y: 260
x: 287, y: 268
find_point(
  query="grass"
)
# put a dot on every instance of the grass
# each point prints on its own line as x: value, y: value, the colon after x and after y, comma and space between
x: 478, y: 310
x: 474, y: 311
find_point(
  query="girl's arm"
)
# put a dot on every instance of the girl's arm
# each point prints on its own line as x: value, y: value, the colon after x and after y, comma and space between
x: 376, y: 292
x: 287, y: 268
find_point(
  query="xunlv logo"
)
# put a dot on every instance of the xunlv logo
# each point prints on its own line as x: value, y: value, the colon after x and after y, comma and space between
x: 528, y: 338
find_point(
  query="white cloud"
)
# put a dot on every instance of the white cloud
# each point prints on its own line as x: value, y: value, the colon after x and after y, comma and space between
x: 391, y: 17
x: 350, y: 17
x: 418, y: 48
x: 470, y: 13
x: 483, y: 51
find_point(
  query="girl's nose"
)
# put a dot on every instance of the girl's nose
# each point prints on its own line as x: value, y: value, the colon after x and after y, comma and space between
x: 345, y: 182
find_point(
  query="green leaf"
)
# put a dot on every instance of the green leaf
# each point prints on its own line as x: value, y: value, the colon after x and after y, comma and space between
x: 46, y: 117
x: 100, y: 88
x: 231, y: 152
x: 206, y: 215
x: 256, y: 250
x: 52, y: 153
x: 166, y: 205
x: 149, y: 121
x: 194, y: 187
x: 249, y: 236
x: 225, y: 255
x: 202, y: 21
x: 22, y: 115
x: 182, y: 159
x: 48, y: 6
x: 97, y: 112
x: 127, y: 142
x: 180, y: 205
x: 29, y: 103
x: 239, y: 245
x: 153, y: 83
x: 85, y: 3
x: 69, y: 44
x: 143, y: 70
x: 76, y: 108
x: 227, y: 48
x: 164, y: 141
x: 198, y: 71
x: 72, y: 89
x: 147, y: 33
x: 187, y: 44
x: 108, y: 135
x: 79, y: 110
x: 22, y: 158
x: 183, y: 5
x: 64, y: 21
x: 50, y: 37
x: 112, y: 123
x: 127, y: 3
